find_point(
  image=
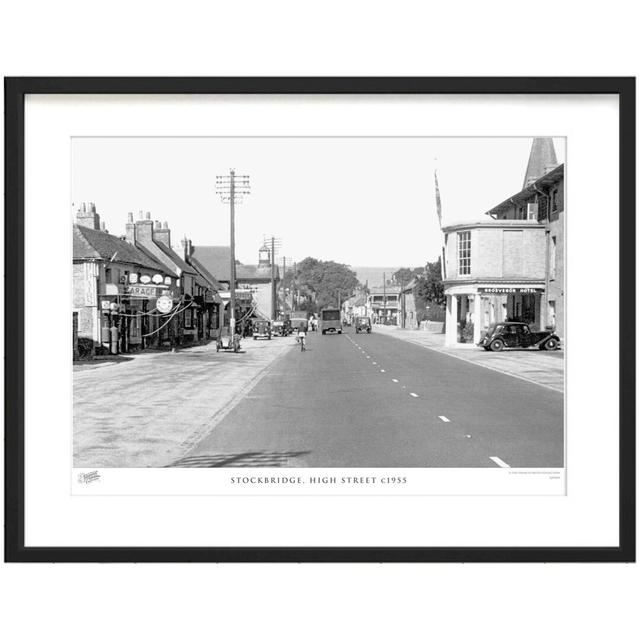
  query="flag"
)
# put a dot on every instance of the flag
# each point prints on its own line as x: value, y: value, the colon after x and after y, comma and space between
x: 438, y: 202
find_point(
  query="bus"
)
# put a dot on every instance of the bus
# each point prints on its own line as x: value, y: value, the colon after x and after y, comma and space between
x: 330, y: 321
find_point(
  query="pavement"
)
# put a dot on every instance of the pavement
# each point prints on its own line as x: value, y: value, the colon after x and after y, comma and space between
x: 146, y: 410
x: 372, y: 400
x: 350, y: 400
x: 546, y: 368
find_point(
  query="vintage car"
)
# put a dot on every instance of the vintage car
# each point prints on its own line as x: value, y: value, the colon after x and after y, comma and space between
x: 261, y: 329
x: 362, y: 325
x: 517, y: 335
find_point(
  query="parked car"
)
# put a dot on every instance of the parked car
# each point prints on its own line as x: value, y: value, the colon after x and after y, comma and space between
x: 363, y: 325
x: 518, y: 335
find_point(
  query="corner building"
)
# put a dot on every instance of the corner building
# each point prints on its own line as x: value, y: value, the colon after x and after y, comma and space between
x: 512, y: 266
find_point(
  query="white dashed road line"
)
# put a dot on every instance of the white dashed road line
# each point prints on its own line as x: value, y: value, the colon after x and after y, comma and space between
x: 394, y: 380
x: 415, y: 395
x: 444, y: 418
x: 500, y: 463
x: 381, y: 370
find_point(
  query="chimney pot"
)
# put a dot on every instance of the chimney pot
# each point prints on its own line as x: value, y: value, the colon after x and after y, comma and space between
x: 148, y: 215
x: 165, y: 225
x: 156, y: 225
x: 130, y: 216
x: 84, y: 208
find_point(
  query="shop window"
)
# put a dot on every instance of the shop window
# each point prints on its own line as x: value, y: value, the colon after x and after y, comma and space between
x: 464, y: 253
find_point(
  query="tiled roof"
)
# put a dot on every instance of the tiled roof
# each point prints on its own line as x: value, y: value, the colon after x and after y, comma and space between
x: 554, y: 176
x: 390, y: 289
x: 204, y: 272
x: 91, y: 244
x: 175, y: 258
x: 216, y: 260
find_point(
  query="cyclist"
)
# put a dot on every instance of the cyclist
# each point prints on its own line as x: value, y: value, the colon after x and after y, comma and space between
x: 302, y: 335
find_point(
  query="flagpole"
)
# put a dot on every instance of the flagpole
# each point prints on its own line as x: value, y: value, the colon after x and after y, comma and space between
x: 439, y: 212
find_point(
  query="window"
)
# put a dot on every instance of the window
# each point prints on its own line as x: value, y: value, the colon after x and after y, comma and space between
x: 464, y: 253
x: 552, y: 258
x: 107, y: 276
x: 554, y: 200
x: 522, y: 212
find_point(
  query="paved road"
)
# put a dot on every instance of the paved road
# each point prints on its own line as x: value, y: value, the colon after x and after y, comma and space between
x: 374, y: 401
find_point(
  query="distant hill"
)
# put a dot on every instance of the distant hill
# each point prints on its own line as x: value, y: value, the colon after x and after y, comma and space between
x: 374, y: 274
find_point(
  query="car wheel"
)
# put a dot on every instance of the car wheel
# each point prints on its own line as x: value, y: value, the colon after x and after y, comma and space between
x: 497, y: 345
x: 551, y: 344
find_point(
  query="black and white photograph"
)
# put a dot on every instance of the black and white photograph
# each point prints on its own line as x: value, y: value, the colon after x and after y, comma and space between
x: 318, y: 302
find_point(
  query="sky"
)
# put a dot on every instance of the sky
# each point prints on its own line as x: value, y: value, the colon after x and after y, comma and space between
x: 359, y: 201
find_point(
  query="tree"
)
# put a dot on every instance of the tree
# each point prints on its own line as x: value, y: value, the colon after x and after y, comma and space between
x: 325, y: 283
x: 405, y: 274
x: 430, y: 289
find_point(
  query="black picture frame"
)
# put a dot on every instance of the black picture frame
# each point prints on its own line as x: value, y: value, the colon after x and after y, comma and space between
x: 15, y: 91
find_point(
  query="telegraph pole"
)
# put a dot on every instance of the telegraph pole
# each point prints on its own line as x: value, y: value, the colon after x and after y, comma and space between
x: 273, y: 279
x: 384, y: 298
x: 276, y: 244
x: 231, y: 189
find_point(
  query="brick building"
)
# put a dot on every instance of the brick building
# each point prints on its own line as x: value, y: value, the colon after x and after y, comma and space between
x: 408, y: 317
x: 193, y: 317
x: 114, y: 287
x: 383, y: 304
x: 511, y: 267
x: 255, y: 289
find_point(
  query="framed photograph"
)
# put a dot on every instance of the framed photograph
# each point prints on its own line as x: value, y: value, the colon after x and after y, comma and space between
x: 320, y: 319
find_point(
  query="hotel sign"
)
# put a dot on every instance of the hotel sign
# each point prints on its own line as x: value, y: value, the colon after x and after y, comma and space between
x: 503, y: 290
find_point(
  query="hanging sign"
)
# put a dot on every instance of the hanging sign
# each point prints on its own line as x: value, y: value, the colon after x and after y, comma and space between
x: 164, y: 304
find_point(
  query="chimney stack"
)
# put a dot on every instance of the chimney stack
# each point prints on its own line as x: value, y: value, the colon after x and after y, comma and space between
x: 130, y: 229
x: 143, y: 229
x: 88, y: 218
x: 162, y: 234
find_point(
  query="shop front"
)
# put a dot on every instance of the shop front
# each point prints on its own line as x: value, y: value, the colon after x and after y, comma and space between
x: 130, y: 319
x: 473, y: 308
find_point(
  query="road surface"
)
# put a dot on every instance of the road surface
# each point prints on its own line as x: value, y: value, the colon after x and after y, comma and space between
x: 369, y: 400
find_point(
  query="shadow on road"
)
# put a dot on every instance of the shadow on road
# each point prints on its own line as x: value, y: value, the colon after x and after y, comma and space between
x: 102, y: 360
x: 248, y: 459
